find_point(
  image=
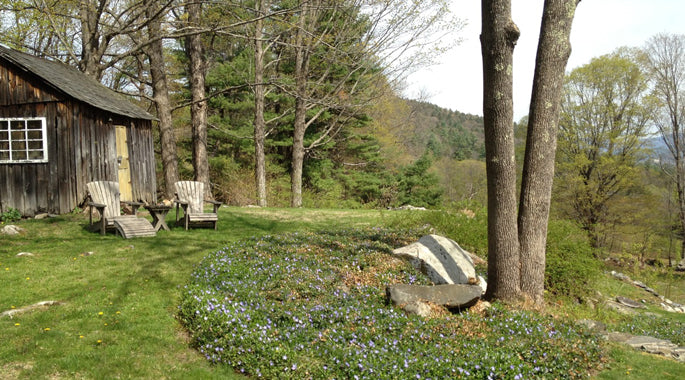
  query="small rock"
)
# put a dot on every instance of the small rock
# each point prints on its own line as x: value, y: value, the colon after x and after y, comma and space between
x: 620, y: 276
x: 593, y: 325
x: 639, y: 284
x: 42, y: 216
x: 483, y: 285
x: 11, y: 229
x: 419, y: 308
x: 25, y: 254
x: 86, y: 254
x: 619, y: 337
x: 409, y: 207
x: 681, y: 266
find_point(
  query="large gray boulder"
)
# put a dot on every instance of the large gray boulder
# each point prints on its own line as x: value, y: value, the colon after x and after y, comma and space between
x: 415, y: 299
x: 441, y: 259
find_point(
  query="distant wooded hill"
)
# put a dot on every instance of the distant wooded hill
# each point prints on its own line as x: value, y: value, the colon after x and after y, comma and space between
x: 445, y: 133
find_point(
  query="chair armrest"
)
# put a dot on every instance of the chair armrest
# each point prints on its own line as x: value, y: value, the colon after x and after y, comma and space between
x: 184, y: 205
x: 101, y: 210
x: 134, y: 206
x: 216, y: 204
x: 97, y: 205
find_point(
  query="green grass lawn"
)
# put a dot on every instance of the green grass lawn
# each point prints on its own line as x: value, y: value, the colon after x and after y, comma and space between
x: 117, y: 315
x: 118, y: 298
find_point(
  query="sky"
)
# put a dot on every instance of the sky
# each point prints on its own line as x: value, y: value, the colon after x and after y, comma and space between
x: 599, y: 27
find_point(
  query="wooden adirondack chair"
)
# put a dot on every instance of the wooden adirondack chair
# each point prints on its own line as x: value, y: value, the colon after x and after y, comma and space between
x: 190, y: 196
x: 104, y: 196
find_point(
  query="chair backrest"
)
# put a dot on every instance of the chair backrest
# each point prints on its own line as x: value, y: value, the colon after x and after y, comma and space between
x: 193, y: 193
x: 107, y: 193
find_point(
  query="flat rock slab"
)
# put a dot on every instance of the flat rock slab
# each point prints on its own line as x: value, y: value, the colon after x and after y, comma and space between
x: 441, y: 259
x: 657, y: 347
x: 630, y: 303
x: 451, y: 296
x: 620, y: 308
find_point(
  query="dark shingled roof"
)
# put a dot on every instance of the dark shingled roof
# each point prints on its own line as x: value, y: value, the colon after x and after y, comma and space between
x: 75, y: 84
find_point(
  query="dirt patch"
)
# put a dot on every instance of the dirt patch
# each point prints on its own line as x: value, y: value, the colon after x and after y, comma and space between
x: 13, y: 370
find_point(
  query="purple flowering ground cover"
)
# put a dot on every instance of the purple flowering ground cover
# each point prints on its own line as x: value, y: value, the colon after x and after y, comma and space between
x: 312, y: 305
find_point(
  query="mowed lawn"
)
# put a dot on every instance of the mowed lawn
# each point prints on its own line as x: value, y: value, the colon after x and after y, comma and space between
x: 117, y: 299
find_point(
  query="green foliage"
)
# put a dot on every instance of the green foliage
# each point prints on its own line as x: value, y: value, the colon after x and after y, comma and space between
x: 571, y: 266
x: 654, y: 326
x: 605, y: 116
x: 444, y: 133
x: 463, y: 222
x: 417, y: 186
x: 11, y: 215
x: 314, y: 306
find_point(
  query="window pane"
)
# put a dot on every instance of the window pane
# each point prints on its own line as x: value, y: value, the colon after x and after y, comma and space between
x: 34, y: 135
x: 19, y: 155
x: 34, y: 124
x: 4, y: 155
x: 4, y: 125
x: 18, y: 124
x: 36, y: 155
x: 18, y: 145
x: 4, y: 135
x: 4, y: 145
x: 18, y: 135
x: 36, y: 145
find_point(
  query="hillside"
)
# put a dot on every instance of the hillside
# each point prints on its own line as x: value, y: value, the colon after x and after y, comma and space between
x: 445, y: 133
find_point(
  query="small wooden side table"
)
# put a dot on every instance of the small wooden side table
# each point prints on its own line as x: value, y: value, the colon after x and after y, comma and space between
x: 158, y: 213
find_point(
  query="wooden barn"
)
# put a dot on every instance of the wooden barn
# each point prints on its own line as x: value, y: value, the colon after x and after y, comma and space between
x: 59, y: 130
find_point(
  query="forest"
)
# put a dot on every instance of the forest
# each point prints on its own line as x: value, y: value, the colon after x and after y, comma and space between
x: 298, y: 103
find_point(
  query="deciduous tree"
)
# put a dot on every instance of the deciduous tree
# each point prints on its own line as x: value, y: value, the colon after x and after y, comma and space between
x: 516, y: 246
x: 666, y: 63
x: 606, y: 113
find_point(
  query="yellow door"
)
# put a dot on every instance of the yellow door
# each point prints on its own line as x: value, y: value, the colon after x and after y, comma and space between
x: 124, y: 169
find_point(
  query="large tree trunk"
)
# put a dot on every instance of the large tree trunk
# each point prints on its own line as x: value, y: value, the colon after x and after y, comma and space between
x: 259, y: 124
x: 554, y: 49
x: 498, y: 38
x: 91, y: 49
x: 198, y: 107
x: 160, y: 95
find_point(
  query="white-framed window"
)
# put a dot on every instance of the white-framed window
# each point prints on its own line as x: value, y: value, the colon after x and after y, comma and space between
x: 23, y: 140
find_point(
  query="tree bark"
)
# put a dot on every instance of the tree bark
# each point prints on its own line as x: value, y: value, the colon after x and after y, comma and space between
x: 198, y: 107
x: 498, y: 38
x: 259, y: 123
x: 160, y: 93
x: 554, y: 49
x: 302, y: 55
x: 91, y: 49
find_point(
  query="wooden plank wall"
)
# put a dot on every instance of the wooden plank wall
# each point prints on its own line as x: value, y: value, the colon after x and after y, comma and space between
x: 81, y: 149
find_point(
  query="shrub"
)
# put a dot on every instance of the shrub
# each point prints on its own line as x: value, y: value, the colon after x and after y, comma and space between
x: 11, y: 215
x: 463, y: 222
x: 313, y: 306
x: 571, y: 266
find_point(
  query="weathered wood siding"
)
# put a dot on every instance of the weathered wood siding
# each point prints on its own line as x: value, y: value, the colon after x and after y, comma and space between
x: 81, y: 148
